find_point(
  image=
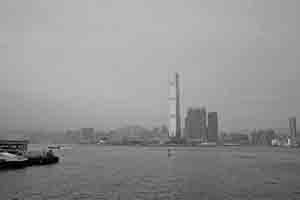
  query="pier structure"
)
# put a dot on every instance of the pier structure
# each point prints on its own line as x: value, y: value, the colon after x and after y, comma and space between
x: 14, y: 145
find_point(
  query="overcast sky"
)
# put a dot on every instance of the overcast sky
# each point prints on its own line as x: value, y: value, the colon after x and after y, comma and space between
x: 106, y: 63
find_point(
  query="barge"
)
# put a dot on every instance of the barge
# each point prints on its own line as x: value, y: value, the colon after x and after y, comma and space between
x: 14, y: 154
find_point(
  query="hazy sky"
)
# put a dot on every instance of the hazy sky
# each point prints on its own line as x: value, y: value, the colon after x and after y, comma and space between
x: 106, y: 63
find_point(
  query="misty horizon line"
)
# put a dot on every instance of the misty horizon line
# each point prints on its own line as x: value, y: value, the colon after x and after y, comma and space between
x: 38, y: 130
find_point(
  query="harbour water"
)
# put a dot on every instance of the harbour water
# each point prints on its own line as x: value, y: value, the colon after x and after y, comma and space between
x: 115, y: 172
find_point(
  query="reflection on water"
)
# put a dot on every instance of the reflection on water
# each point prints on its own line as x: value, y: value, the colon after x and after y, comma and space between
x: 95, y: 172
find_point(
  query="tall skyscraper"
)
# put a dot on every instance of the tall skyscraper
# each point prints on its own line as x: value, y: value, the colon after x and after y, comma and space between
x: 203, y: 126
x: 192, y: 124
x: 293, y: 130
x: 212, y: 126
x: 174, y: 112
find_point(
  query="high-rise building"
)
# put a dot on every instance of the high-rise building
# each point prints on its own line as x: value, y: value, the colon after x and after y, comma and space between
x: 203, y: 126
x: 174, y: 112
x: 192, y: 124
x: 293, y: 130
x: 212, y: 126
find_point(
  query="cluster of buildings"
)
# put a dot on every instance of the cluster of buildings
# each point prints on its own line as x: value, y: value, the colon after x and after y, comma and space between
x: 202, y: 127
x: 264, y: 137
x: 199, y: 125
x: 235, y: 138
x: 127, y: 135
x: 82, y: 136
x: 290, y: 140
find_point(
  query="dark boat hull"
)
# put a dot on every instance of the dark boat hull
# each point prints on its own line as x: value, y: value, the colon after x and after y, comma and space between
x: 5, y: 165
x: 41, y: 160
x: 13, y: 164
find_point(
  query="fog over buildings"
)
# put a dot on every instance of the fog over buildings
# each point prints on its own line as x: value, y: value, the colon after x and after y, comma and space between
x: 104, y: 64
